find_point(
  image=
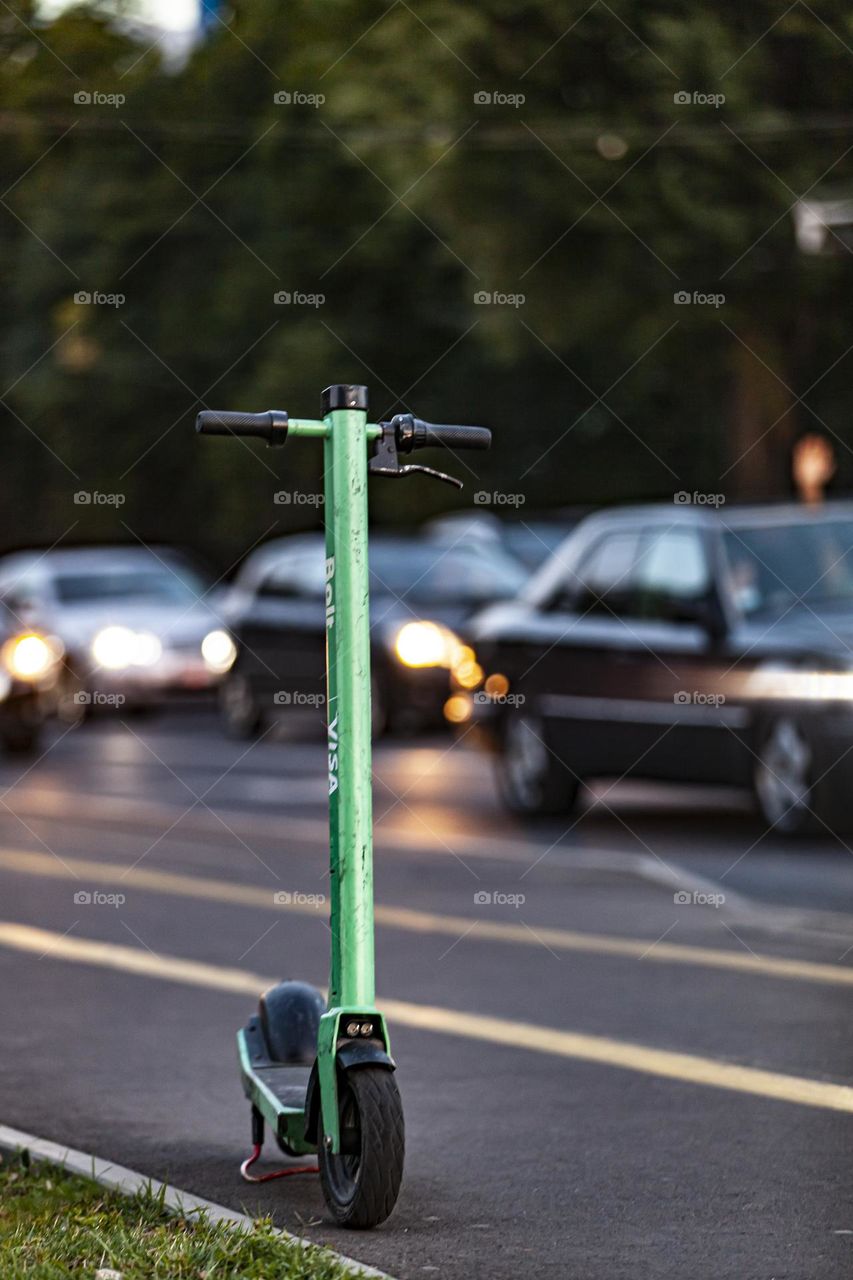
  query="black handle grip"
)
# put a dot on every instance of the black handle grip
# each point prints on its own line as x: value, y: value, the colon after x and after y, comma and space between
x: 451, y: 437
x: 413, y: 433
x: 270, y: 426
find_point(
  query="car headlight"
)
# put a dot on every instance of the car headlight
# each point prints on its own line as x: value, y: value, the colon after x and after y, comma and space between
x: 29, y: 657
x: 218, y: 651
x: 426, y: 644
x: 116, y: 648
x: 467, y: 671
x: 147, y: 649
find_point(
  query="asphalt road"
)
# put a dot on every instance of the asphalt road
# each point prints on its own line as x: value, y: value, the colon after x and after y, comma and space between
x: 581, y: 1144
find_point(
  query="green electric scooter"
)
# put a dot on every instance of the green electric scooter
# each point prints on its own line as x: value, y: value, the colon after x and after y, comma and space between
x: 319, y: 1072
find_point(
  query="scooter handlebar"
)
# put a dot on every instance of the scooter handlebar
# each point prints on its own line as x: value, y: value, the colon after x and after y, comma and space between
x: 270, y: 426
x: 413, y: 433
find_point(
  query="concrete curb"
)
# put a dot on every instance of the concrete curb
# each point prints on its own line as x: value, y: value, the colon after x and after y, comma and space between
x: 128, y: 1182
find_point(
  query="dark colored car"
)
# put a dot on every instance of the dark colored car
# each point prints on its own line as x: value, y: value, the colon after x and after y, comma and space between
x: 681, y: 643
x: 420, y: 594
x: 528, y: 539
x: 30, y: 670
x: 534, y: 541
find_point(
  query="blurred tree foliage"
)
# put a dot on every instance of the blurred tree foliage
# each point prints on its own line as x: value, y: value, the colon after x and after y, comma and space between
x: 418, y: 183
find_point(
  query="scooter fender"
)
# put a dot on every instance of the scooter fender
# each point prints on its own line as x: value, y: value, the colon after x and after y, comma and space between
x: 350, y: 1055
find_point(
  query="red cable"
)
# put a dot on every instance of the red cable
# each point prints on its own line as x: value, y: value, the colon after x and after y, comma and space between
x: 277, y: 1173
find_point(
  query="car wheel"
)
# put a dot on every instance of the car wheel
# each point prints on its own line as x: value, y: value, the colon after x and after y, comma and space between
x: 72, y: 700
x: 21, y: 737
x: 241, y: 715
x: 532, y: 781
x: 783, y: 778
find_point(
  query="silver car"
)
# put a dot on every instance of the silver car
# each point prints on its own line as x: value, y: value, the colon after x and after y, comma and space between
x: 136, y: 625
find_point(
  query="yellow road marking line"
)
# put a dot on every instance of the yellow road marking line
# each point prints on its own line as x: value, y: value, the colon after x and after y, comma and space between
x: 229, y: 891
x: 662, y: 1063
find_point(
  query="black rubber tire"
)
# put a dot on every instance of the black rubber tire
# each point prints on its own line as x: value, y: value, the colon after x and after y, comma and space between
x: 787, y: 796
x: 71, y: 707
x: 361, y: 1190
x: 240, y: 714
x: 538, y: 788
x: 21, y: 739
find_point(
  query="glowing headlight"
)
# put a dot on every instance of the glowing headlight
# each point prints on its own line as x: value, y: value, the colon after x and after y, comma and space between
x: 218, y: 651
x: 147, y: 649
x: 113, y: 648
x: 467, y: 671
x: 29, y: 657
x: 457, y: 709
x: 116, y: 648
x: 426, y: 644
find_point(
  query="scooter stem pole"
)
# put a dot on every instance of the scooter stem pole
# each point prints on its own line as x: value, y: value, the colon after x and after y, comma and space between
x: 348, y: 691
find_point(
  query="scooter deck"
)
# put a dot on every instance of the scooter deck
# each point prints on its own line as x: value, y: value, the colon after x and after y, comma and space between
x: 277, y: 1089
x: 287, y: 1082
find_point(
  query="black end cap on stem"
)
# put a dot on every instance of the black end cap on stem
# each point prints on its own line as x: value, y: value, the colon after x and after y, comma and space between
x: 344, y: 395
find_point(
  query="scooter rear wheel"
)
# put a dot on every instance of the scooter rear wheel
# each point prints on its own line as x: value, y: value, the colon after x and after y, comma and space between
x: 361, y: 1185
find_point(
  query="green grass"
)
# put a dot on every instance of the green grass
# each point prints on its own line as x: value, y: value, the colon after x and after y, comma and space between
x: 55, y: 1225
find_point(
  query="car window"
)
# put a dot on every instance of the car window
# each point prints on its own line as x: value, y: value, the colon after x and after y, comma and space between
x: 433, y: 575
x: 777, y: 567
x: 425, y: 573
x: 110, y: 586
x: 295, y: 576
x: 673, y: 573
x: 603, y: 579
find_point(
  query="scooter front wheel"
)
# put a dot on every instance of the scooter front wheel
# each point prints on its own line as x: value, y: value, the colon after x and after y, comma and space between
x: 361, y: 1185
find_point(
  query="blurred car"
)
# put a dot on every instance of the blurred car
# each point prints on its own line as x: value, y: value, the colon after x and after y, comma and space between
x: 420, y: 594
x: 533, y: 541
x: 681, y: 643
x: 528, y: 540
x: 132, y: 622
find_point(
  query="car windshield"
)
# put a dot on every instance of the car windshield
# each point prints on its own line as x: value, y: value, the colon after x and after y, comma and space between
x: 427, y: 573
x: 432, y: 573
x: 109, y: 586
x: 774, y: 567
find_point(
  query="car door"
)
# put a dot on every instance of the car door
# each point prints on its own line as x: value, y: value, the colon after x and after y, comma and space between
x: 675, y: 637
x: 576, y: 666
x: 282, y: 634
x: 619, y: 660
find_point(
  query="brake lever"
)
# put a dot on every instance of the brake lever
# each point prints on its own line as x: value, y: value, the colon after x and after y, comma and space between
x: 384, y: 461
x: 395, y: 473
